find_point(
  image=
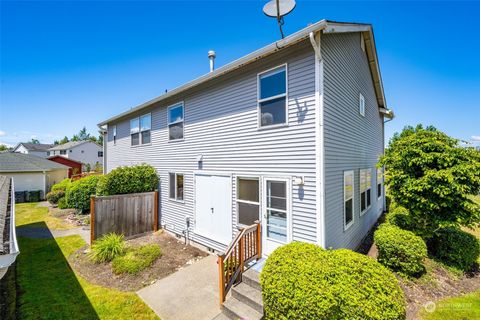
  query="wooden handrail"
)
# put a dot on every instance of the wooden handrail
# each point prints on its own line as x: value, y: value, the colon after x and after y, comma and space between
x: 245, y: 247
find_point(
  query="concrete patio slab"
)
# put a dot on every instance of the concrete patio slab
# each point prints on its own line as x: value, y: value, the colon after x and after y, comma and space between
x: 188, y: 294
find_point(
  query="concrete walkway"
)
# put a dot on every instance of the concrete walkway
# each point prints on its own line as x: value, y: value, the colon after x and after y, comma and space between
x: 45, y: 233
x: 188, y: 294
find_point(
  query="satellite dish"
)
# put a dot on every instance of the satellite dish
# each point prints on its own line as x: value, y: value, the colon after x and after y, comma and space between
x: 278, y: 9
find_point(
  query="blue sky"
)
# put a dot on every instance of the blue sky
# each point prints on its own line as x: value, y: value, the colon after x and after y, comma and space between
x: 64, y: 65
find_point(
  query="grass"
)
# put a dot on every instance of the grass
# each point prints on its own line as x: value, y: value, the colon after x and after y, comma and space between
x: 35, y: 216
x: 136, y: 259
x: 464, y: 307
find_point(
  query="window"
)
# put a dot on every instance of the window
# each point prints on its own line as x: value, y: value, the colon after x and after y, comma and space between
x: 272, y: 97
x: 139, y: 130
x: 379, y: 182
x: 70, y: 150
x: 248, y: 203
x: 176, y: 186
x: 276, y: 209
x: 100, y: 154
x: 48, y: 153
x: 175, y: 122
x: 365, y: 189
x: 63, y: 151
x: 114, y: 133
x: 348, y: 192
x: 361, y: 105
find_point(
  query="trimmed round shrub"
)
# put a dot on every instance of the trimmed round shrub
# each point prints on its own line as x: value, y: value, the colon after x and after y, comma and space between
x: 79, y: 192
x: 400, y: 250
x: 136, y: 259
x: 399, y: 217
x: 62, y: 203
x: 134, y: 179
x: 107, y: 248
x: 54, y: 196
x: 62, y: 185
x: 303, y: 281
x: 456, y: 248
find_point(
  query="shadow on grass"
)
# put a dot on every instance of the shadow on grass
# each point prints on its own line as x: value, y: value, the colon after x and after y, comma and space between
x: 48, y: 287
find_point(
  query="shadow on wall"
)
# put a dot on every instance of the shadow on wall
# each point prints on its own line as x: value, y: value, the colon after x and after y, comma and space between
x: 47, y: 286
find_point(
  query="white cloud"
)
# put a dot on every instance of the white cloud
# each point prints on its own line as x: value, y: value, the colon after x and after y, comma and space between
x: 33, y: 136
x: 6, y: 144
x: 476, y: 138
x: 2, y: 133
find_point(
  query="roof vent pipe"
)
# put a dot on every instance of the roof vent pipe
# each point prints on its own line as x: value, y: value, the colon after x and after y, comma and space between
x: 211, y: 57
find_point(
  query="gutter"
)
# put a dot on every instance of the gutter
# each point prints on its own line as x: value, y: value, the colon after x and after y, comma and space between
x: 6, y: 260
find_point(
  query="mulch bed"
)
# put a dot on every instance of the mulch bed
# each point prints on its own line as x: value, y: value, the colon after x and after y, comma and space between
x: 175, y: 255
x: 70, y: 216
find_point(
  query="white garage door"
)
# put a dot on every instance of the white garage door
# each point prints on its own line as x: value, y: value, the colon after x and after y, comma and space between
x: 213, y: 210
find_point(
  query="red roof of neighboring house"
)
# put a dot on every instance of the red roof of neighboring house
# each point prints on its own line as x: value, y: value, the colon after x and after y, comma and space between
x: 68, y: 162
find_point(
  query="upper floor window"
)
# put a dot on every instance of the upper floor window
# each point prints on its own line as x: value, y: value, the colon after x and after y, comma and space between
x: 272, y: 97
x: 48, y: 153
x: 63, y: 151
x: 365, y: 189
x: 114, y: 133
x: 140, y: 130
x: 348, y: 188
x: 361, y: 105
x: 175, y: 122
x: 100, y: 154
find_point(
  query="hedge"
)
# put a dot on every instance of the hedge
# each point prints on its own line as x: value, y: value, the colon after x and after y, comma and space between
x: 62, y: 185
x: 399, y: 217
x: 302, y: 281
x: 79, y: 192
x: 456, y: 248
x: 400, y: 250
x: 54, y: 196
x: 134, y: 179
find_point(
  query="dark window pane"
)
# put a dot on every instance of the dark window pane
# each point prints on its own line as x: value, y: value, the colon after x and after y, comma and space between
x: 273, y: 111
x: 248, y: 213
x: 145, y: 137
x: 179, y: 186
x: 100, y: 154
x: 369, y: 197
x: 363, y: 203
x: 248, y: 190
x: 171, y: 179
x: 135, y: 139
x: 348, y: 211
x: 272, y: 84
x: 277, y: 189
x: 63, y: 151
x: 176, y: 131
x: 379, y: 190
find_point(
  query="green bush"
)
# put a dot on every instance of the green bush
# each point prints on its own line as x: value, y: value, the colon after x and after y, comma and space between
x: 400, y: 250
x: 62, y: 185
x: 456, y: 248
x: 302, y: 281
x: 79, y: 192
x: 107, y: 248
x: 136, y: 259
x: 54, y: 196
x: 399, y: 217
x: 62, y: 203
x: 134, y: 179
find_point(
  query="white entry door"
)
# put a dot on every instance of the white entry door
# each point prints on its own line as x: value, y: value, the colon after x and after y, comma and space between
x: 213, y: 207
x: 276, y: 213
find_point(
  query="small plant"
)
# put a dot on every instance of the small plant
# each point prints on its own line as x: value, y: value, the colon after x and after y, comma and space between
x: 455, y: 248
x: 54, y: 196
x: 62, y: 203
x: 399, y: 217
x: 400, y: 250
x: 136, y: 259
x: 107, y: 248
x: 62, y: 185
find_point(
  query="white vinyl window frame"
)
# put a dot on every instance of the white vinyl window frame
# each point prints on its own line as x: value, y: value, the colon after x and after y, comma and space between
x: 259, y: 100
x: 365, y: 187
x: 140, y: 130
x: 175, y: 175
x: 114, y: 134
x: 238, y: 200
x: 379, y: 183
x: 347, y: 225
x: 361, y: 105
x: 176, y: 105
x: 288, y: 185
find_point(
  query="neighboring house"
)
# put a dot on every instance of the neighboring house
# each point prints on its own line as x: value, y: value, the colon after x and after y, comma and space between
x: 8, y: 238
x: 36, y: 149
x: 289, y: 135
x: 31, y: 173
x: 87, y: 152
x: 74, y: 167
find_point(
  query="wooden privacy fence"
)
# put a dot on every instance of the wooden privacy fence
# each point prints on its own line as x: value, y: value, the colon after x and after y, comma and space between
x: 127, y: 214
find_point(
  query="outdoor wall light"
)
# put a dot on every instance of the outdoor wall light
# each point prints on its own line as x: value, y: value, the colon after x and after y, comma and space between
x: 200, y: 158
x: 298, y: 181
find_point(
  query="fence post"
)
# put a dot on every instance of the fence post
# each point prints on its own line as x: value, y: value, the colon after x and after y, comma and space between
x: 241, y: 252
x: 259, y: 239
x: 92, y: 219
x: 221, y: 280
x: 155, y: 211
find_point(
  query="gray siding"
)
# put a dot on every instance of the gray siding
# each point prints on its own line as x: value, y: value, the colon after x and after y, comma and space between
x: 352, y: 142
x: 221, y: 124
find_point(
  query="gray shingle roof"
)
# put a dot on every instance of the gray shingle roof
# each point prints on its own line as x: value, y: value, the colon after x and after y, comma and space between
x: 20, y: 162
x: 36, y: 146
x: 67, y: 145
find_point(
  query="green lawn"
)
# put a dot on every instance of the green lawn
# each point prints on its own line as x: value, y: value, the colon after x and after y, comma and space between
x: 464, y: 307
x: 50, y: 289
x: 36, y: 216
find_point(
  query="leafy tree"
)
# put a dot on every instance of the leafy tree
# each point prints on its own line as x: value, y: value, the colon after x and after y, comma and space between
x: 432, y: 176
x: 35, y: 141
x: 62, y: 141
x: 83, y: 134
x: 3, y: 147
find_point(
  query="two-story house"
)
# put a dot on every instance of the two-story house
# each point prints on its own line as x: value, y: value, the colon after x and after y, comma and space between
x: 36, y: 149
x: 289, y: 135
x: 86, y: 152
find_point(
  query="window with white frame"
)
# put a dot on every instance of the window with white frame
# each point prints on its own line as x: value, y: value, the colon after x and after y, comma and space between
x: 248, y: 200
x: 175, y: 122
x: 175, y: 186
x: 140, y: 130
x: 272, y: 97
x: 276, y: 210
x: 361, y: 105
x: 100, y: 154
x: 348, y: 194
x: 114, y: 134
x: 365, y: 189
x: 379, y: 182
x: 63, y: 152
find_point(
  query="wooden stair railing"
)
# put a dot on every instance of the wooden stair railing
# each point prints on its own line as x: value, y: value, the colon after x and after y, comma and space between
x: 245, y: 248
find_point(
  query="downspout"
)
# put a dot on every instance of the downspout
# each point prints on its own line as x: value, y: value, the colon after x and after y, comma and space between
x: 316, y: 41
